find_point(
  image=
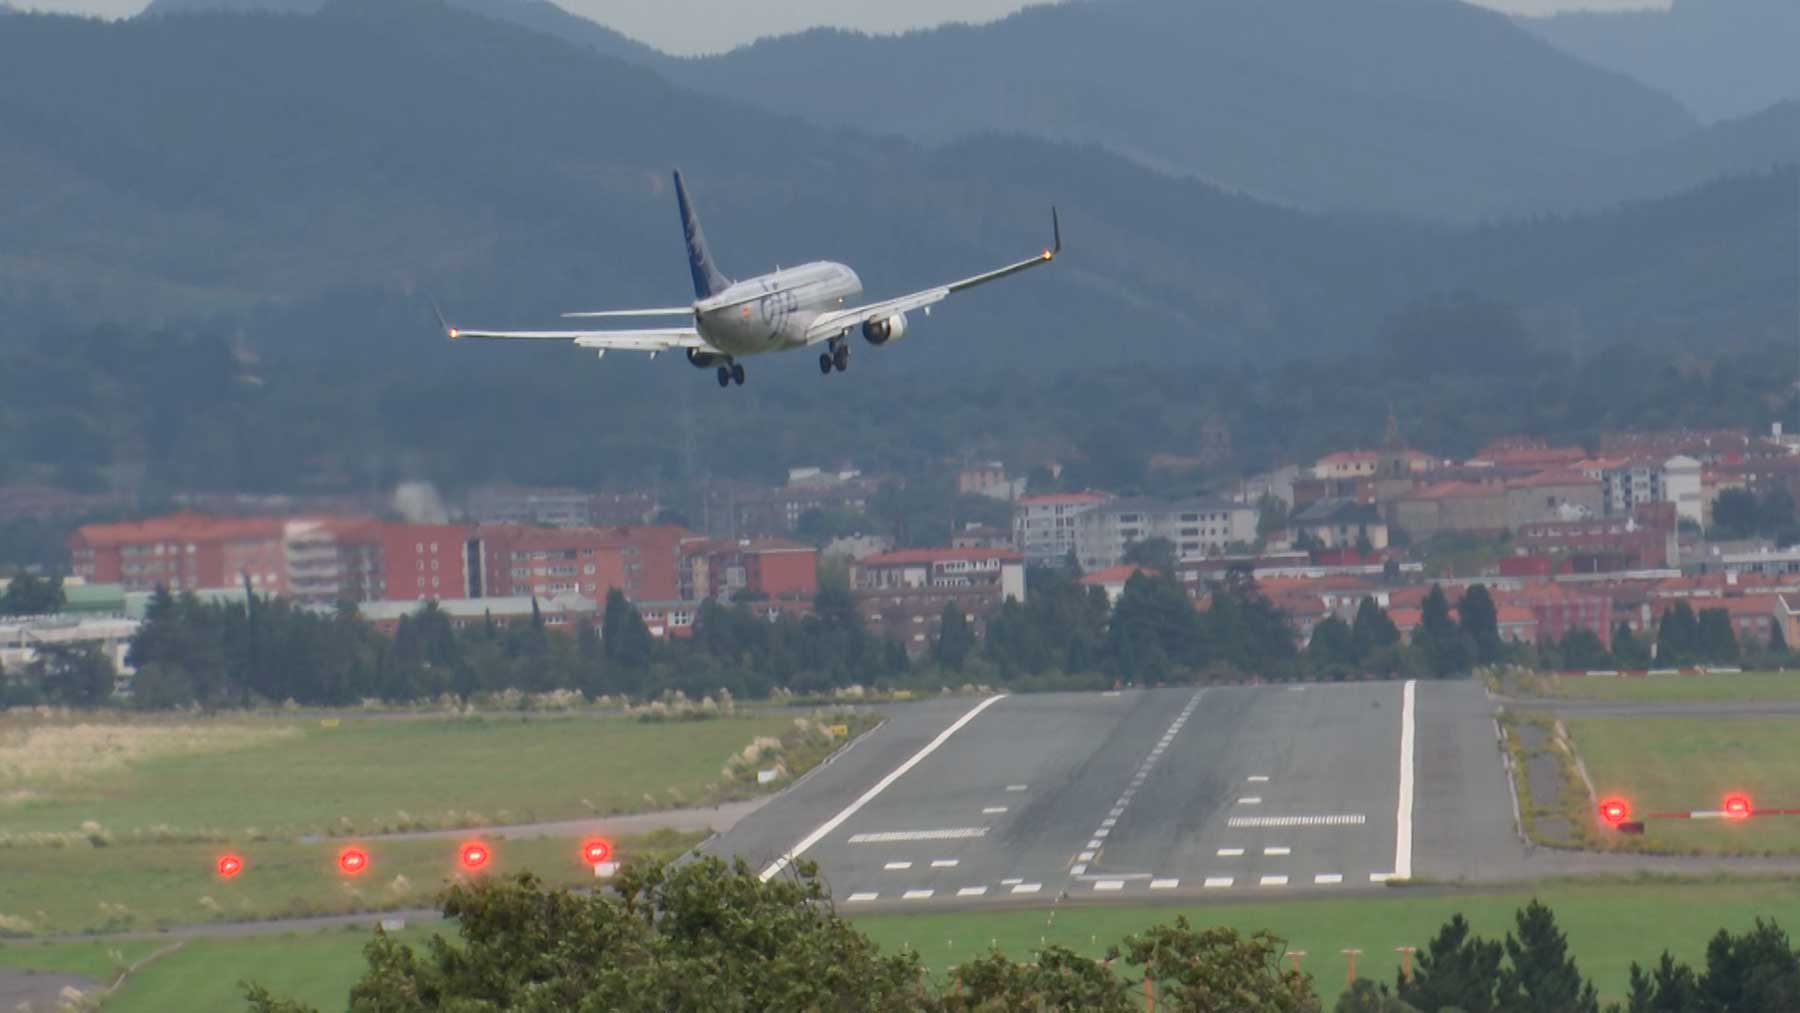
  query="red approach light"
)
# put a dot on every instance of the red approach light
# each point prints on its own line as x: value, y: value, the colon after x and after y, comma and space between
x: 353, y: 861
x: 1614, y: 811
x: 474, y: 856
x: 229, y: 866
x: 595, y: 852
x: 1737, y: 807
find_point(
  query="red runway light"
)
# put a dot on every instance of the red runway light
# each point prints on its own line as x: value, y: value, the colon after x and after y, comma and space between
x: 474, y: 856
x: 353, y: 861
x: 1614, y: 811
x: 1737, y: 807
x: 595, y: 852
x: 229, y: 866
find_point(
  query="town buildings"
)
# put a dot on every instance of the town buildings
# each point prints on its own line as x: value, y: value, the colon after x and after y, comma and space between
x: 902, y: 594
x: 1044, y: 526
x: 1196, y: 528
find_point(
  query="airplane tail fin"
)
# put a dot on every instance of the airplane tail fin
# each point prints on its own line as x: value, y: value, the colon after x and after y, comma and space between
x: 707, y: 279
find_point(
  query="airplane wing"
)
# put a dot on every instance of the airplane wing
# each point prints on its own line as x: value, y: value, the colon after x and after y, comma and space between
x: 654, y: 340
x: 830, y: 325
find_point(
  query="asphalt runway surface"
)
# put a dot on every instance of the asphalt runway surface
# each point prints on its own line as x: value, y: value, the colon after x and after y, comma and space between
x: 1220, y: 792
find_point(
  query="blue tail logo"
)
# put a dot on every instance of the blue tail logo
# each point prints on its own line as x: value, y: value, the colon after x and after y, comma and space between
x: 707, y: 279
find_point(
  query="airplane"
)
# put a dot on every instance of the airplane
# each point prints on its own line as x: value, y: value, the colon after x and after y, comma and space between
x: 793, y: 308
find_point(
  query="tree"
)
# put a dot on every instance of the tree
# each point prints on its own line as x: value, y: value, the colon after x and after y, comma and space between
x: 1058, y: 979
x: 1581, y: 650
x: 1271, y: 515
x: 1373, y: 629
x: 1365, y: 996
x: 1456, y: 969
x: 624, y: 639
x: 27, y: 595
x: 1447, y: 652
x: 1153, y: 554
x: 1333, y: 647
x: 1717, y: 641
x: 1540, y: 974
x: 955, y: 639
x: 1154, y: 630
x: 1735, y: 514
x: 1628, y: 650
x: 1671, y: 988
x: 1678, y: 636
x: 1754, y: 971
x: 1480, y: 622
x: 74, y: 675
x: 665, y: 937
x: 1218, y: 971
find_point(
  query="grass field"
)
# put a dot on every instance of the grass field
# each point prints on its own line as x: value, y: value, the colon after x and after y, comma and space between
x: 240, y: 779
x: 118, y: 889
x: 1678, y: 764
x: 1609, y: 925
x: 1745, y: 687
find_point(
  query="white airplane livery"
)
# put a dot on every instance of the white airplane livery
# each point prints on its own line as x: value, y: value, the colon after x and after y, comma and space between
x: 793, y: 308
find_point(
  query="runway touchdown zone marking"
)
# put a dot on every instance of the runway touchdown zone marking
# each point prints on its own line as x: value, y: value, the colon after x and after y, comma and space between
x: 850, y: 810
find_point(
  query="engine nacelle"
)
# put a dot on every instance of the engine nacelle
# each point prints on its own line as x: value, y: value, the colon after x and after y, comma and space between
x: 880, y: 332
x: 704, y: 360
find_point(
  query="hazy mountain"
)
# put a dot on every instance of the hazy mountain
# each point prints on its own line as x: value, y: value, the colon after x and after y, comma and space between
x: 214, y: 169
x: 538, y: 15
x: 1722, y: 58
x: 1422, y: 107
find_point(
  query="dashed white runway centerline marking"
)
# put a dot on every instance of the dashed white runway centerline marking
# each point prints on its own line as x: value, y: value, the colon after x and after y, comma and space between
x: 1085, y: 856
x: 945, y: 863
x: 992, y: 810
x: 1078, y: 869
x: 880, y: 786
x: 1230, y: 852
x: 1250, y: 800
x: 1277, y: 850
x: 1258, y: 779
x: 897, y: 866
x: 1016, y: 787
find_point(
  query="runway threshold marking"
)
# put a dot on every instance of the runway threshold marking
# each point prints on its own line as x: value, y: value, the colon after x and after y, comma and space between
x: 902, y: 836
x: 1403, y: 815
x: 1217, y: 882
x: 1328, y: 878
x: 1280, y: 822
x: 1273, y: 881
x: 916, y: 895
x: 850, y: 810
x: 1164, y: 884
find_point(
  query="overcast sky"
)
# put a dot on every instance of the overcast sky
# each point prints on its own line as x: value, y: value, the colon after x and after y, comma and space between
x: 701, y: 26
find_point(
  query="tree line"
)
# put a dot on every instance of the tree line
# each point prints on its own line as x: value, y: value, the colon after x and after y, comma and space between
x: 710, y: 935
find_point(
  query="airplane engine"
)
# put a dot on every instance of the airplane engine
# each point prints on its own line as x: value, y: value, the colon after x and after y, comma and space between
x: 880, y: 332
x: 704, y: 360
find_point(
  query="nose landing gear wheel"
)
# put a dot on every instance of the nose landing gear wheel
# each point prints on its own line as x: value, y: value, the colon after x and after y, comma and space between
x: 825, y: 363
x: 724, y: 377
x: 737, y: 373
x: 841, y: 358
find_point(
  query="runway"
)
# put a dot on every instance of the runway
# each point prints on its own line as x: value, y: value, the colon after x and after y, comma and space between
x: 1227, y: 792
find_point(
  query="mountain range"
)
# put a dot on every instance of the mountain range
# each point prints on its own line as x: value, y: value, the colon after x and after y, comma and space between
x: 1722, y: 58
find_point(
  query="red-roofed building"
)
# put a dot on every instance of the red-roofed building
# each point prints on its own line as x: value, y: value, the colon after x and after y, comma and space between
x: 902, y: 594
x: 642, y: 562
x: 1113, y: 580
x: 1643, y: 541
x: 1557, y: 611
x: 776, y: 571
x: 1451, y: 507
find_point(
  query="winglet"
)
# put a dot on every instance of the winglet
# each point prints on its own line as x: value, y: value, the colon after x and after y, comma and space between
x: 1056, y: 232
x: 449, y: 331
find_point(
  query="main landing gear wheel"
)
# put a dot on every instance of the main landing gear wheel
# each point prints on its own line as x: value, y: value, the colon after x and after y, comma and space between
x: 724, y: 376
x: 841, y: 358
x: 825, y: 363
x: 737, y: 373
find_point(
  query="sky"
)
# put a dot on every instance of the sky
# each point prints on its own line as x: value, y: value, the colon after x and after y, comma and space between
x: 706, y: 26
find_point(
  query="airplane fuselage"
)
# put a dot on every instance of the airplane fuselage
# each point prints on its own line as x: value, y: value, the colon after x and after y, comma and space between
x: 771, y: 312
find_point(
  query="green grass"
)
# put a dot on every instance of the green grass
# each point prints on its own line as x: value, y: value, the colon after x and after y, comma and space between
x: 99, y: 959
x: 1747, y: 687
x: 1678, y: 764
x: 1609, y: 925
x: 292, y: 776
x: 151, y: 886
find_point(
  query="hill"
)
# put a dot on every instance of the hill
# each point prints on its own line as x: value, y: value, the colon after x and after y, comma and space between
x: 1419, y: 107
x: 1723, y: 58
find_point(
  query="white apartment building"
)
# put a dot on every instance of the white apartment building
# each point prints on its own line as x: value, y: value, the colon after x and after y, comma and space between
x: 1197, y: 528
x: 1044, y: 526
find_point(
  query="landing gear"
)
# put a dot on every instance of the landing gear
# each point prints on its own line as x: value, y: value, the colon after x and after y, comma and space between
x: 724, y: 376
x: 737, y: 373
x: 825, y: 363
x: 841, y: 358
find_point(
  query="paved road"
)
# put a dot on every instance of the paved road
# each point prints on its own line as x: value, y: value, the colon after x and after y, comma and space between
x: 25, y: 991
x: 1172, y: 793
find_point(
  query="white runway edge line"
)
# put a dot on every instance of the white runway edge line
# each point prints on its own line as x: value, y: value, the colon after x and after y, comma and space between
x: 850, y: 810
x: 1403, y: 815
